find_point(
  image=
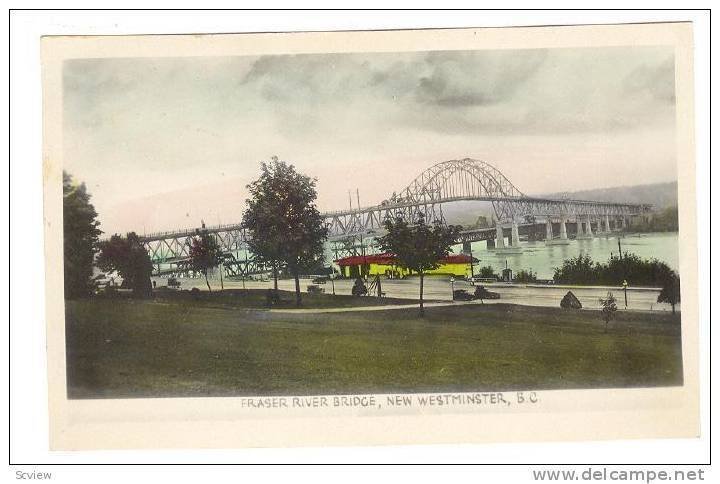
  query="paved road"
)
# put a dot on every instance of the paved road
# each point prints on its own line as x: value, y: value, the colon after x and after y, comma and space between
x: 440, y: 289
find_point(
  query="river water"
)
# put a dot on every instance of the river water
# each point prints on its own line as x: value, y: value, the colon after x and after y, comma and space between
x: 542, y: 259
x: 535, y: 255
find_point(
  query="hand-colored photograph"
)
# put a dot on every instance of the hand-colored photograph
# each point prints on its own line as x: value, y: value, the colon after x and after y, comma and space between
x: 371, y: 222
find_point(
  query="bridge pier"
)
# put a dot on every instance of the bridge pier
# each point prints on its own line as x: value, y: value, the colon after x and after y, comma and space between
x: 562, y: 239
x: 607, y: 224
x: 513, y: 245
x: 490, y: 244
x: 499, y: 237
x: 563, y: 229
x: 584, y: 229
x: 515, y: 235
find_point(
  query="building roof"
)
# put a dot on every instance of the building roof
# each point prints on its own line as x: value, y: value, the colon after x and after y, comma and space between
x: 389, y: 259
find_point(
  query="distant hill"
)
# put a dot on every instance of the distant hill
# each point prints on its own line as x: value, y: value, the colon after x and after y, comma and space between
x: 466, y: 213
x: 661, y: 195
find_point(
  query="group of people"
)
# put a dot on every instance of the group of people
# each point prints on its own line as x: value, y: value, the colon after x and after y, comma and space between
x: 360, y: 289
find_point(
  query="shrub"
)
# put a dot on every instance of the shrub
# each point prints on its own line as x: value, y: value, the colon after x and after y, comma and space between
x: 635, y: 270
x: 525, y: 276
x: 487, y: 272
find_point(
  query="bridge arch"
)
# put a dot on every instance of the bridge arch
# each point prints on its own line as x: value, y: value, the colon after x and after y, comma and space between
x: 447, y: 181
x: 465, y: 179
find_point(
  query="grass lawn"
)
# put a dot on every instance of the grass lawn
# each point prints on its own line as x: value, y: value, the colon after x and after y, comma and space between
x: 257, y: 299
x: 178, y: 346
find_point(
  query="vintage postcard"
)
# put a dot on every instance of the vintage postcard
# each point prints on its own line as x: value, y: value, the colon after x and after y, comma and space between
x: 372, y: 237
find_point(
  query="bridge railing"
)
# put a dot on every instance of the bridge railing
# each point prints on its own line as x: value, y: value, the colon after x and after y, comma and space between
x: 188, y: 231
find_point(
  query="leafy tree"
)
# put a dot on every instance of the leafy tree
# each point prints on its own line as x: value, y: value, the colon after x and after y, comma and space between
x: 670, y: 292
x: 418, y: 247
x: 80, y: 238
x: 205, y: 253
x: 287, y: 228
x: 128, y: 257
x: 630, y: 267
x: 524, y: 276
x: 576, y: 270
x: 487, y: 272
x: 609, y: 307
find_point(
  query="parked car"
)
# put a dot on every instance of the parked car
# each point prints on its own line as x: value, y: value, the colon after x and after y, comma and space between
x: 462, y: 295
x: 482, y: 293
x: 314, y: 289
x: 173, y: 283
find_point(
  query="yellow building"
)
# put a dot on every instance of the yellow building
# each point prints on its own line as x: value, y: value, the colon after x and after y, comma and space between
x: 386, y: 265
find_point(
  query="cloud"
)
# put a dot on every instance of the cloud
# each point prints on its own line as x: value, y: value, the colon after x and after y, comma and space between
x: 512, y: 92
x: 171, y: 124
x: 656, y: 80
x: 468, y: 79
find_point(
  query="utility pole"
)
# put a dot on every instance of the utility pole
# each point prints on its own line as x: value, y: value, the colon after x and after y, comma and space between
x: 222, y: 268
x: 625, y: 285
x: 472, y: 269
x: 246, y: 258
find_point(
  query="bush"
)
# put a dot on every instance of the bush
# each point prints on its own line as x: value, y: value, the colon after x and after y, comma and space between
x: 631, y: 268
x: 525, y: 276
x: 487, y: 272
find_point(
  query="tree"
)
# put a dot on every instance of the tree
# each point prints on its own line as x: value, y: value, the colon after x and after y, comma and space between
x: 577, y: 270
x: 128, y: 257
x: 286, y: 226
x: 487, y: 272
x: 80, y: 238
x: 205, y: 253
x: 524, y: 276
x: 609, y: 307
x: 640, y: 272
x: 670, y: 292
x: 418, y: 247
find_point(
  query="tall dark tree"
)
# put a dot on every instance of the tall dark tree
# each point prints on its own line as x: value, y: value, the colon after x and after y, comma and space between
x: 205, y: 253
x: 286, y: 226
x: 487, y: 272
x: 670, y: 292
x: 80, y: 238
x: 128, y: 257
x: 418, y: 247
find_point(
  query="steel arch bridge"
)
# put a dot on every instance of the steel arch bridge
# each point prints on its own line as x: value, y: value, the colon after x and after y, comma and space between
x: 445, y: 182
x: 473, y: 180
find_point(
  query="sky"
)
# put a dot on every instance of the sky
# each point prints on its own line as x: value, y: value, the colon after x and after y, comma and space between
x: 163, y: 143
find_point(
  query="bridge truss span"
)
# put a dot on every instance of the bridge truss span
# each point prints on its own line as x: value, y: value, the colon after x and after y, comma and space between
x: 468, y: 180
x: 446, y: 182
